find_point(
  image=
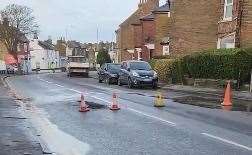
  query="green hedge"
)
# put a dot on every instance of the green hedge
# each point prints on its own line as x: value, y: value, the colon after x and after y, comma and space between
x: 210, y: 64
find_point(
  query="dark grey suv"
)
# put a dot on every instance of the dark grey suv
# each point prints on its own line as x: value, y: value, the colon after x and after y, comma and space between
x: 137, y: 73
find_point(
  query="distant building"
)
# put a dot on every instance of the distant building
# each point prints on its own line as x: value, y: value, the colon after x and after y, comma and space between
x: 75, y: 48
x: 210, y: 24
x: 43, y: 55
x: 61, y: 46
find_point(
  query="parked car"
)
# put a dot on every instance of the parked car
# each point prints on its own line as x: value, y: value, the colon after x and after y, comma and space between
x: 137, y: 73
x: 109, y: 73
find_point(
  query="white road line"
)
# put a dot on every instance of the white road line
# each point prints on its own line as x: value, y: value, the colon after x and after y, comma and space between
x: 154, y: 117
x: 227, y: 141
x: 142, y: 113
x: 75, y: 91
x: 136, y: 111
x: 59, y: 85
x: 45, y: 81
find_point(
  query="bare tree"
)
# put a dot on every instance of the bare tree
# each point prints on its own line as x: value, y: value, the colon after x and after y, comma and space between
x: 18, y: 21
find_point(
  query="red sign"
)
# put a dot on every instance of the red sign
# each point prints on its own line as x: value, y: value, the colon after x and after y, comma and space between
x: 9, y: 59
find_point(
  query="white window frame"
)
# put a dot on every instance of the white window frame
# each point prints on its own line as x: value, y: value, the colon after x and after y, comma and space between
x: 166, y: 52
x: 220, y: 39
x: 225, y: 10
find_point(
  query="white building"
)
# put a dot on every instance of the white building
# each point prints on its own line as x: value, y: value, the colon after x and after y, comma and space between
x: 43, y: 55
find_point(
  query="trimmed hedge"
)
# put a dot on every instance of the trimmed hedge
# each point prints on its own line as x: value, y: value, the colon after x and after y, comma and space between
x: 211, y: 64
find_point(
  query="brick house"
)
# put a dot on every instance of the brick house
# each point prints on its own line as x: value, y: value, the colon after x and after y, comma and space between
x: 234, y: 26
x: 148, y: 36
x: 162, y: 27
x: 129, y: 34
x: 210, y: 24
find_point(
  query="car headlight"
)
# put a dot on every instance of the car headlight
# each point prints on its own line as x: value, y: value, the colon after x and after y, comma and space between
x: 113, y: 75
x: 155, y: 74
x: 135, y: 74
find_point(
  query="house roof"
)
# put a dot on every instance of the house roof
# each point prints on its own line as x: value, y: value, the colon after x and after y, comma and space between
x: 163, y: 8
x: 73, y: 44
x: 46, y: 45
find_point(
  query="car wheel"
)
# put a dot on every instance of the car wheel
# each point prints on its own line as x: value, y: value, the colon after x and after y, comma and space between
x: 119, y: 82
x: 154, y: 85
x: 130, y: 85
x: 99, y: 79
x: 107, y: 81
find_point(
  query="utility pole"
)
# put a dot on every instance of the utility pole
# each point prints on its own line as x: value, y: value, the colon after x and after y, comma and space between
x: 251, y: 81
x: 97, y: 38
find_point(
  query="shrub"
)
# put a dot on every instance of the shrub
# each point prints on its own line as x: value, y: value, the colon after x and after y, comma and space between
x: 163, y: 67
x: 219, y: 64
x: 210, y: 64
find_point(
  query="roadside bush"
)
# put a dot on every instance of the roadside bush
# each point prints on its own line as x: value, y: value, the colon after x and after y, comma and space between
x: 219, y: 64
x: 163, y: 67
x: 231, y: 64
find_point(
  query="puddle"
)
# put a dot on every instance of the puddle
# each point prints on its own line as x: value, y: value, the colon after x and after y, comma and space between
x: 214, y: 103
x: 136, y: 94
x: 92, y: 105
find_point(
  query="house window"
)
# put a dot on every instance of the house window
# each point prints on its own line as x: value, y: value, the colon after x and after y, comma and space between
x: 227, y: 41
x: 228, y: 10
x: 166, y: 50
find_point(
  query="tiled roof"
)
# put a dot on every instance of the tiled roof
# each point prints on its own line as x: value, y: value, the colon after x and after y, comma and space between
x: 46, y: 45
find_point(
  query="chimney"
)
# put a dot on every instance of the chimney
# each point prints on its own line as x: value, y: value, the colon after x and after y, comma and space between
x: 6, y: 21
x: 141, y: 2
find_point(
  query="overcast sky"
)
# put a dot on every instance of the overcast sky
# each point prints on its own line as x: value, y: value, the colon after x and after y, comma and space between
x: 79, y: 18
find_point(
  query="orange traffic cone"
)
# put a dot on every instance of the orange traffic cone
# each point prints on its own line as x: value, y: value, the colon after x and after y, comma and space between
x: 83, y: 105
x: 227, y: 98
x: 114, y: 106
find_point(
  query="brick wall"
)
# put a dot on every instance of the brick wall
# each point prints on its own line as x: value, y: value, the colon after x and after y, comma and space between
x: 194, y: 25
x: 246, y: 25
x: 127, y: 37
x: 162, y: 22
x: 148, y: 36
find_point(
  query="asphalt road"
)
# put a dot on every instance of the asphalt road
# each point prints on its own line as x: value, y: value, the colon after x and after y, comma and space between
x: 138, y: 128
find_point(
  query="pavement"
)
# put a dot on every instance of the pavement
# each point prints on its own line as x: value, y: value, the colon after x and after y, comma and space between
x: 138, y: 128
x: 16, y: 136
x: 239, y: 95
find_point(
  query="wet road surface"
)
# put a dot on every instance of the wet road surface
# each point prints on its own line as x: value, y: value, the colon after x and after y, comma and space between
x: 138, y: 128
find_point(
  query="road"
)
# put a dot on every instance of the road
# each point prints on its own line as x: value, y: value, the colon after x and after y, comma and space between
x: 138, y: 128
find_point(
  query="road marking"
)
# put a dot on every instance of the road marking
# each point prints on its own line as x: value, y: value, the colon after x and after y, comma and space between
x: 59, y: 85
x: 227, y: 141
x: 45, y: 81
x: 142, y: 113
x: 154, y: 117
x: 136, y: 111
x: 75, y: 91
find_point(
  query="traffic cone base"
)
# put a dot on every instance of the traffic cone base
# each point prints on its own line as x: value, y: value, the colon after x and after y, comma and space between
x: 114, y: 107
x: 226, y: 104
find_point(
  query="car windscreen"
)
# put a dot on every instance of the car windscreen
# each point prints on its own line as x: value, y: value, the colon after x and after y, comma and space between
x: 140, y: 66
x: 114, y: 67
